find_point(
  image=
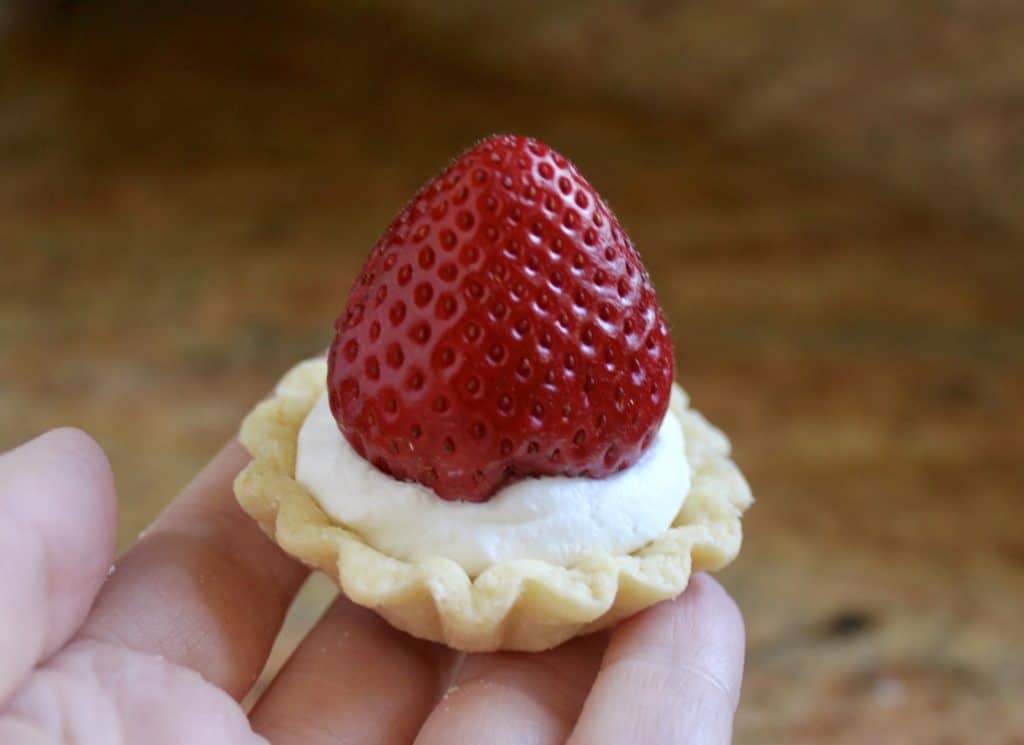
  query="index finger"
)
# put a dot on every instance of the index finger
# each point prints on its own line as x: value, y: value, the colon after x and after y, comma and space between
x: 57, y: 518
x: 670, y: 675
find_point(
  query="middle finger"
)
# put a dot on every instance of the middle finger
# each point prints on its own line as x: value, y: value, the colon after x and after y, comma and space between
x: 204, y: 587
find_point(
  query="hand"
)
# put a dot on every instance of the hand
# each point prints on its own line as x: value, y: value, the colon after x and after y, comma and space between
x: 162, y: 650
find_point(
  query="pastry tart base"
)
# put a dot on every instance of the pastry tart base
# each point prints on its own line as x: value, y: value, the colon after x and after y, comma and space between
x: 525, y: 605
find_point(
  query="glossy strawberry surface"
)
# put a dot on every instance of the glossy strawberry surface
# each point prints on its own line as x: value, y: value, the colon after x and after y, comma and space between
x: 502, y: 327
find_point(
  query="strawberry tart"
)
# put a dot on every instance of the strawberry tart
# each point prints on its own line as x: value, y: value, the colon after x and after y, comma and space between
x: 493, y: 454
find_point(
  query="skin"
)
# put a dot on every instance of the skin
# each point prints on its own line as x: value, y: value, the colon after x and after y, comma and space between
x: 163, y: 649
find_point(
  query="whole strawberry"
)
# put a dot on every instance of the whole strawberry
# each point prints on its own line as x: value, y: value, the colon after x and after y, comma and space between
x: 503, y: 327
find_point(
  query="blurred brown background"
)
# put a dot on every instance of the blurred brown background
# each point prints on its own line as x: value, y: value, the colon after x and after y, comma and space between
x: 827, y: 194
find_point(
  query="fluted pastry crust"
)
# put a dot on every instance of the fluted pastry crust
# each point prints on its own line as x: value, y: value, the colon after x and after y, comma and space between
x: 525, y: 604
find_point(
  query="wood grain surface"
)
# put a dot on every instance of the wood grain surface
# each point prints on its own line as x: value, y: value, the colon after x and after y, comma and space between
x: 185, y: 199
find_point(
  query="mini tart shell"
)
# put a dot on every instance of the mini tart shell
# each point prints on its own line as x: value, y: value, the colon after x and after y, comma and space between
x: 525, y: 605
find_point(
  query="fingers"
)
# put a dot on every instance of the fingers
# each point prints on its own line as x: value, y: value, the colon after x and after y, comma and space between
x: 353, y: 680
x: 92, y: 693
x: 670, y: 675
x: 204, y: 587
x: 516, y: 699
x: 57, y: 528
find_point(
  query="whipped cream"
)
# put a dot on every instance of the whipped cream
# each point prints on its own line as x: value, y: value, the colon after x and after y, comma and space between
x: 552, y: 518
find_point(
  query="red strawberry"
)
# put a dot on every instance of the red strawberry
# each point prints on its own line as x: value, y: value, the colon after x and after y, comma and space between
x: 502, y: 327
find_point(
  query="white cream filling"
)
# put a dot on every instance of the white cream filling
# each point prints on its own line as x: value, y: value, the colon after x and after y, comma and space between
x: 553, y: 518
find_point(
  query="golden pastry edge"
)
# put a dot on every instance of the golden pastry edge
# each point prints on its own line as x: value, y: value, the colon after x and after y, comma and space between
x: 522, y: 605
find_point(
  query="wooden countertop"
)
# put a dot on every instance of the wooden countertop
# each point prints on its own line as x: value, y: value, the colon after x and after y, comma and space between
x: 181, y: 216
